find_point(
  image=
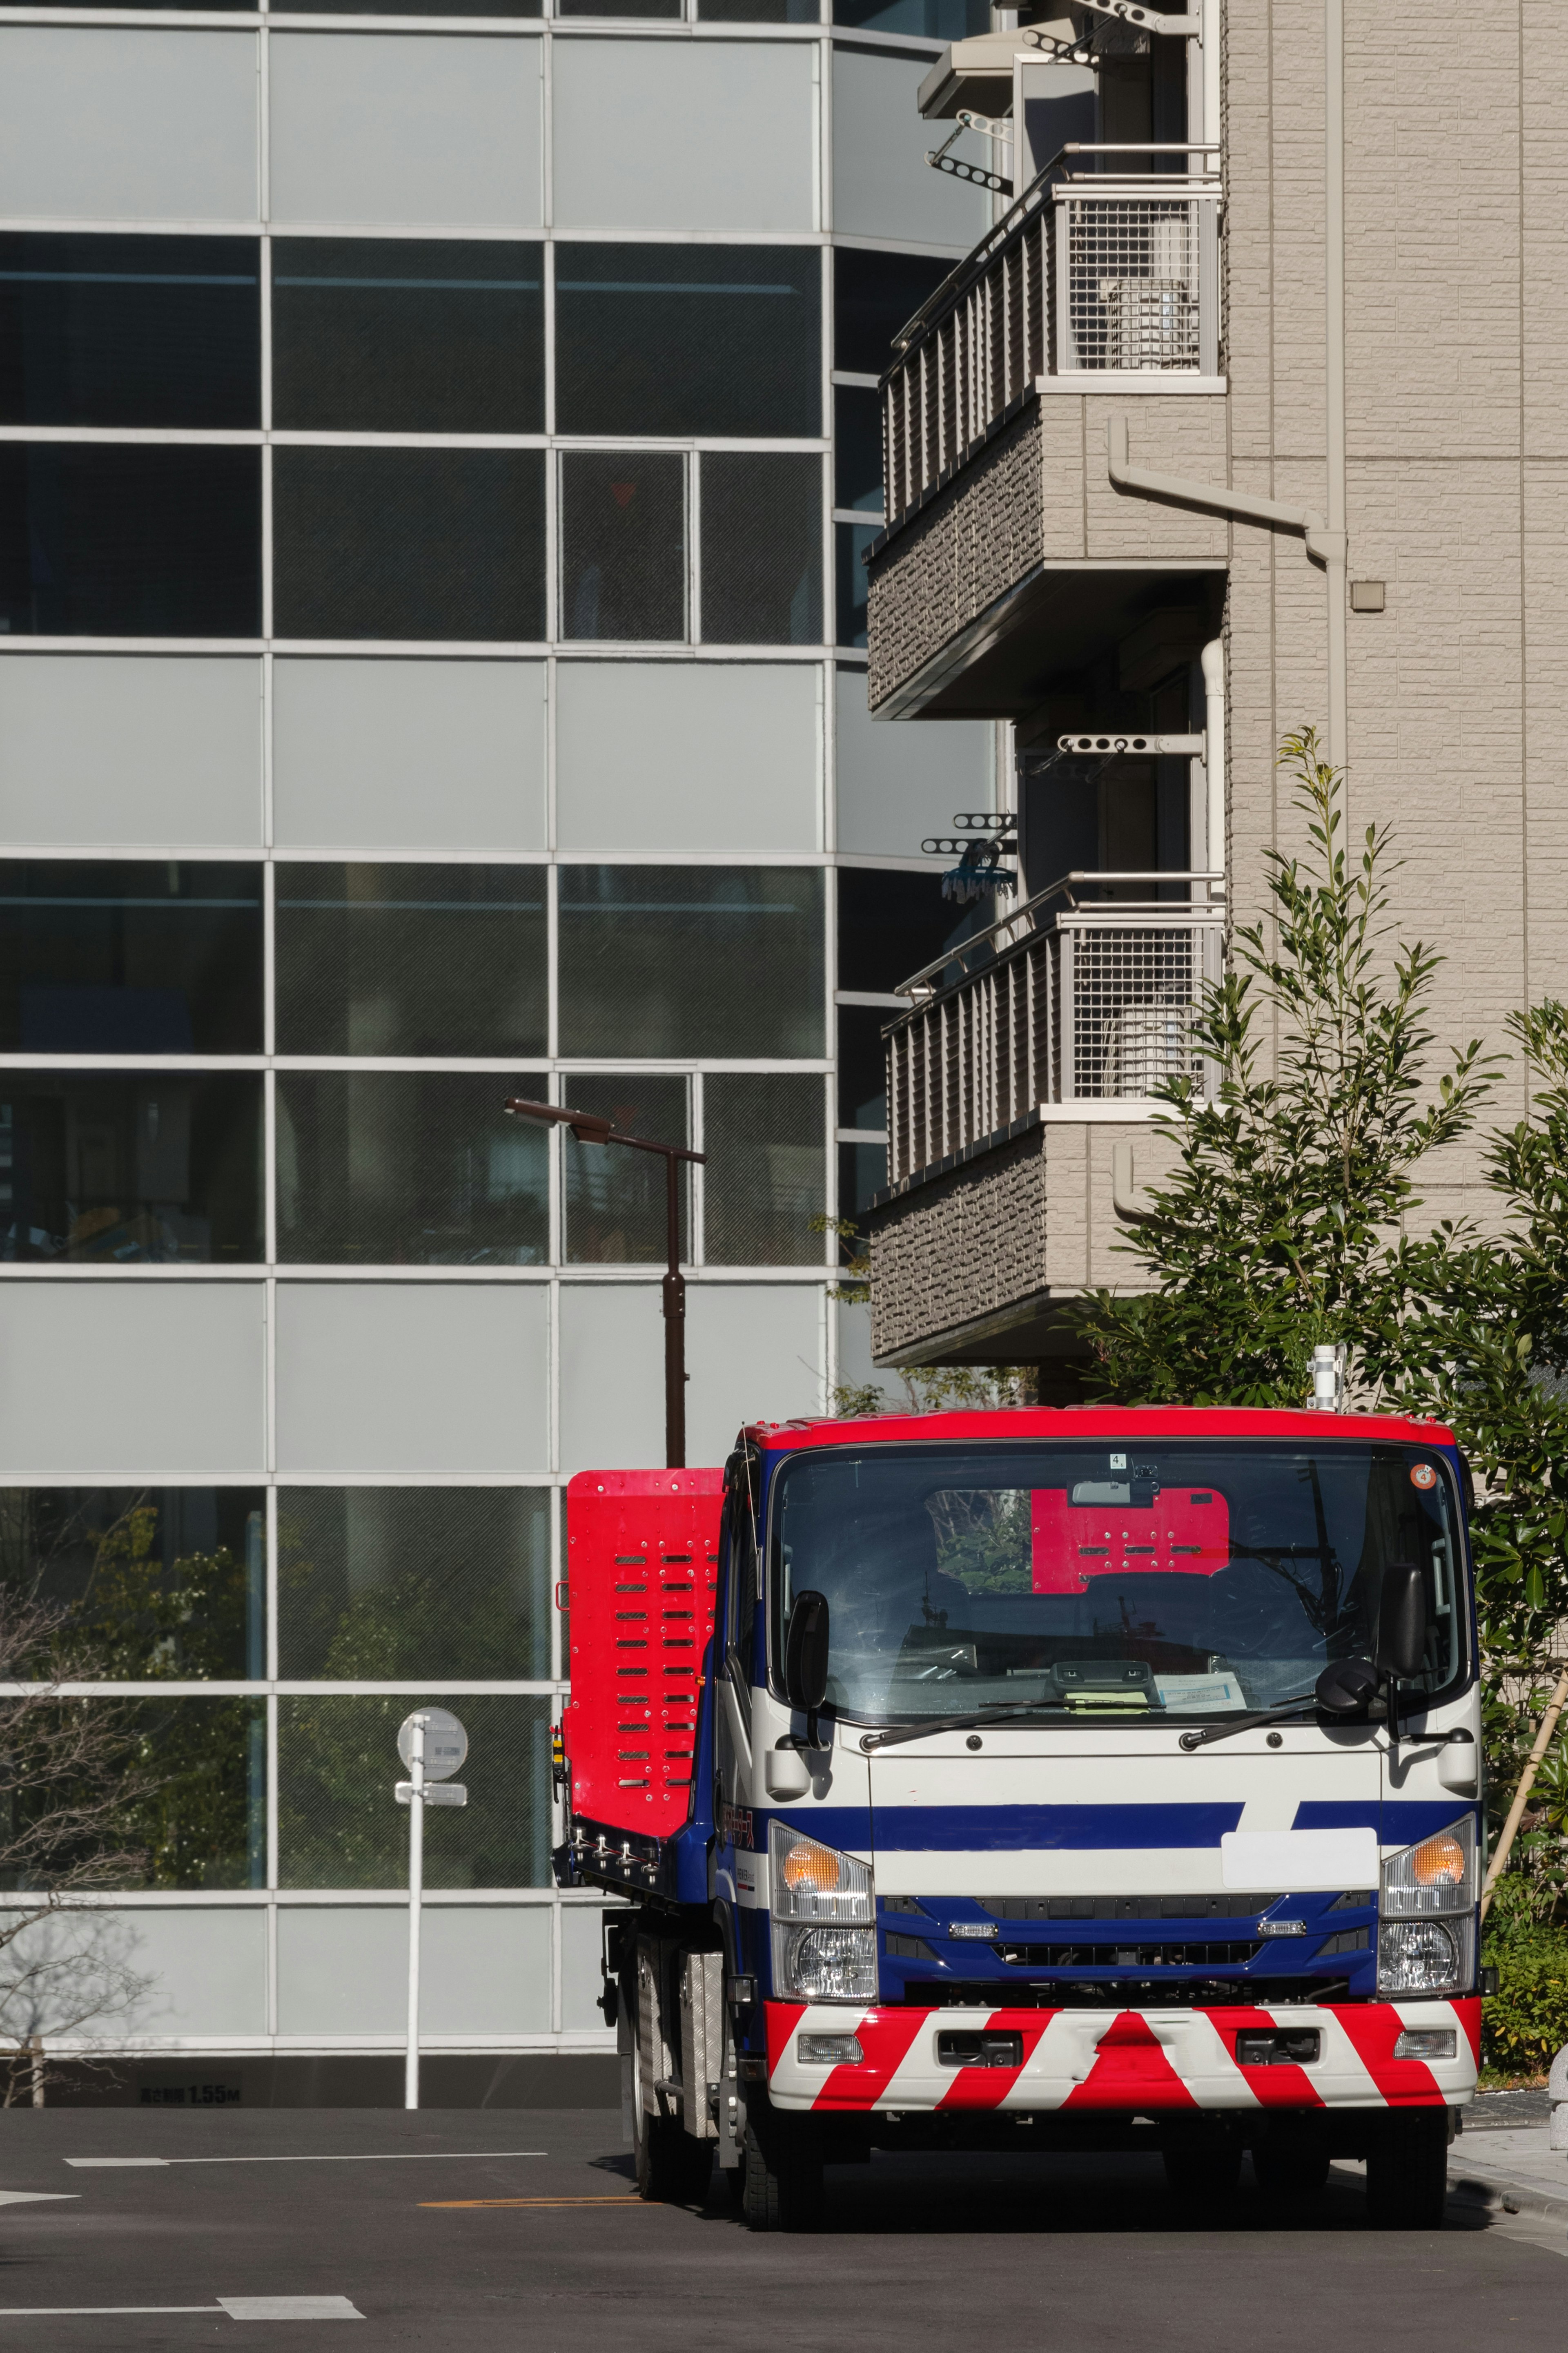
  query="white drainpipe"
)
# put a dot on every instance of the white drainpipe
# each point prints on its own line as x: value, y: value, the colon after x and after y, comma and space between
x: 1333, y: 541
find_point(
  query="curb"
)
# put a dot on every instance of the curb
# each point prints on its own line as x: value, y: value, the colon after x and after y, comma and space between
x: 1501, y: 2193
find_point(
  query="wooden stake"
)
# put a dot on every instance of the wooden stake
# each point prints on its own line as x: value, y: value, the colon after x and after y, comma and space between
x: 1526, y: 1783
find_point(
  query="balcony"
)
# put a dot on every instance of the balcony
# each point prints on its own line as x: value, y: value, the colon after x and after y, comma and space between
x: 1024, y: 1063
x: 1008, y: 552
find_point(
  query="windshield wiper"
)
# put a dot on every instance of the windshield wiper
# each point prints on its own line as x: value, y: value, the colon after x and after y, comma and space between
x: 989, y: 1713
x: 1245, y: 1722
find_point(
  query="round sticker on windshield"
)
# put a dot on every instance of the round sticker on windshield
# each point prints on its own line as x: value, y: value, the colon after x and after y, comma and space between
x: 1423, y: 1475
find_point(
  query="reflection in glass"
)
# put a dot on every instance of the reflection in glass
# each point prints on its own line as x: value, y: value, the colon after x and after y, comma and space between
x: 851, y: 540
x: 615, y: 1198
x: 130, y: 540
x: 130, y: 330
x: 762, y: 549
x: 622, y: 545
x: 721, y: 961
x: 410, y: 544
x: 408, y: 1168
x: 720, y: 339
x: 395, y: 959
x: 932, y: 20
x: 857, y: 449
x: 138, y: 956
x: 337, y: 1823
x: 863, y: 1065
x: 765, y: 1136
x: 874, y: 295
x: 759, y: 12
x: 150, y: 1582
x: 892, y: 925
x: 862, y: 1173
x: 159, y: 1167
x: 384, y: 335
x: 378, y: 1582
x: 202, y: 1820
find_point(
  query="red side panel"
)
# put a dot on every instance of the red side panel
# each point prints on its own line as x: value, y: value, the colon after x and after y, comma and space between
x: 642, y: 1552
x: 1186, y: 1528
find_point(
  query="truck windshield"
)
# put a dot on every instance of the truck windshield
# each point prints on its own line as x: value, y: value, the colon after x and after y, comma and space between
x: 1136, y: 1582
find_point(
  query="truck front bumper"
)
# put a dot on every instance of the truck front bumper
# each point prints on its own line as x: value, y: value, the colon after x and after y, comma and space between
x: 1123, y: 2062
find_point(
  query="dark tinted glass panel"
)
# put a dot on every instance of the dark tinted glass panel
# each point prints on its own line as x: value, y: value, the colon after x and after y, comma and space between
x: 377, y: 1583
x: 136, y: 957
x: 376, y: 335
x: 150, y: 540
x: 875, y: 294
x: 432, y: 960
x: 891, y: 925
x: 617, y: 7
x: 862, y: 1065
x: 622, y: 545
x: 691, y: 960
x: 722, y: 339
x: 331, y: 1752
x: 767, y: 1174
x: 129, y: 330
x: 414, y: 7
x: 857, y: 449
x: 202, y: 1820
x: 409, y: 542
x: 762, y: 549
x: 153, y: 1167
x: 404, y: 1168
x: 862, y: 1172
x: 850, y: 542
x: 932, y: 20
x: 615, y: 1196
x: 759, y: 12
x: 157, y: 1581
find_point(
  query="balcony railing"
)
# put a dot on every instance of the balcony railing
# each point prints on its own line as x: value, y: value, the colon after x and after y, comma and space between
x: 1070, y: 998
x: 1105, y: 274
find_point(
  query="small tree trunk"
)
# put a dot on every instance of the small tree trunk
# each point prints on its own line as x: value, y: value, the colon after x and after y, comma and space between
x: 36, y: 2045
x: 1521, y: 1795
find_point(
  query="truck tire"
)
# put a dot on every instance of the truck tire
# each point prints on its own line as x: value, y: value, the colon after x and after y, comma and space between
x: 671, y: 2167
x: 1407, y: 2172
x: 1201, y: 2178
x: 1290, y: 2177
x: 781, y: 2187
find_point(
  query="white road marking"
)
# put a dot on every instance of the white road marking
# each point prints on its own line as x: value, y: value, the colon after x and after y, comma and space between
x: 360, y: 2156
x: 120, y: 2160
x: 34, y: 2197
x: 289, y: 2308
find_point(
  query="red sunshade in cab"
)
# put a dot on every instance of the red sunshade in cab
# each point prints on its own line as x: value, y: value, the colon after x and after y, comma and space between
x: 1186, y: 1529
x: 642, y: 1550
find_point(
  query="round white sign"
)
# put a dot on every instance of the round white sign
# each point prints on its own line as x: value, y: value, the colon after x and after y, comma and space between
x: 445, y: 1742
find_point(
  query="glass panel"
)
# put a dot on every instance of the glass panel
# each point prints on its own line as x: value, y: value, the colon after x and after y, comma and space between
x: 764, y: 1136
x: 151, y: 1581
x: 432, y: 960
x: 622, y: 545
x: 410, y: 544
x: 875, y: 294
x: 691, y: 960
x: 139, y: 957
x: 384, y: 335
x: 402, y: 1168
x: 103, y: 539
x: 850, y: 542
x: 858, y: 449
x: 762, y: 550
x: 759, y: 12
x: 339, y: 1824
x: 619, y: 7
x: 721, y: 339
x: 863, y: 1065
x: 129, y: 330
x: 862, y: 1172
x: 132, y: 1167
x: 378, y: 1582
x: 891, y: 925
x: 616, y: 1197
x: 399, y: 7
x: 203, y: 1822
x: 932, y: 20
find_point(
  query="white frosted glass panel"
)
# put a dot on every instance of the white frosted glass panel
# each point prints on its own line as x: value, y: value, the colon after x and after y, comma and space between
x: 754, y: 1353
x: 144, y: 1380
x: 412, y: 1375
x: 581, y: 1945
x: 343, y: 1972
x: 103, y: 122
x: 687, y: 756
x: 683, y: 135
x: 204, y: 1970
x: 485, y: 1969
x: 434, y: 129
x: 900, y: 780
x: 409, y: 755
x: 612, y: 1376
x: 121, y: 749
x: 882, y: 185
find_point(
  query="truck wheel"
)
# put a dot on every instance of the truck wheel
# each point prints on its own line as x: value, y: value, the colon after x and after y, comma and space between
x: 1198, y: 2177
x: 1407, y: 2172
x: 1289, y: 2177
x: 672, y: 2169
x: 780, y: 2184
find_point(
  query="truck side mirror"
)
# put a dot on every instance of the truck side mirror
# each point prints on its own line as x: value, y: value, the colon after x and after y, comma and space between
x: 1402, y: 1622
x: 805, y: 1652
x: 1347, y: 1686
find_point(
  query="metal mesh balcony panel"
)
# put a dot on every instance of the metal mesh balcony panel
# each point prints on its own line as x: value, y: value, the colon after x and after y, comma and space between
x: 1132, y: 282
x: 1134, y: 993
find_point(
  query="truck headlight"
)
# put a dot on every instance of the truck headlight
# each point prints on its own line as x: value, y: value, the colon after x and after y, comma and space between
x: 824, y: 1963
x: 1426, y: 1922
x: 1437, y: 1875
x: 813, y: 1881
x: 1424, y: 1957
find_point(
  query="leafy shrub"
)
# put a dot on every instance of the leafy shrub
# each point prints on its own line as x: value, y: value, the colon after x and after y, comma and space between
x: 1525, y: 2023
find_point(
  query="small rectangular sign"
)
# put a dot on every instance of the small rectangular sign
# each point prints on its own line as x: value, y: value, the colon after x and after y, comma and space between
x: 1284, y: 1863
x: 437, y: 1793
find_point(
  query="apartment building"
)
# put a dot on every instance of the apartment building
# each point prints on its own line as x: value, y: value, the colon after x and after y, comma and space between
x: 1246, y: 415
x: 437, y: 449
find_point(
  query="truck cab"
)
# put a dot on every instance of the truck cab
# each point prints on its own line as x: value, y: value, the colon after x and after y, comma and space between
x: 1100, y: 1778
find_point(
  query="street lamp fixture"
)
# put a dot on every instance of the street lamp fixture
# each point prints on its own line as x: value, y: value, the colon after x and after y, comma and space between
x: 592, y: 1127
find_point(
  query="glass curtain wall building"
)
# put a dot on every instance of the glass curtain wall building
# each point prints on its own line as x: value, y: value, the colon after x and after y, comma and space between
x: 435, y: 458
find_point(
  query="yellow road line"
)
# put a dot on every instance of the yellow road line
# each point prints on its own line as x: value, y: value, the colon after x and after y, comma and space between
x: 445, y: 2204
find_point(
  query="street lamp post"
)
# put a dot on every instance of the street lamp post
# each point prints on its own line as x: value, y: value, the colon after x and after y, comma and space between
x: 591, y: 1128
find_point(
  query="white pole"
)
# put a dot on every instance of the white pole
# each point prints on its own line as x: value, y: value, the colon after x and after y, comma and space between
x: 416, y: 1891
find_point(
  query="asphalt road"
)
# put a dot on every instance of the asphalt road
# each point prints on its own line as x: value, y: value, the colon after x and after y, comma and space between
x: 1033, y: 2251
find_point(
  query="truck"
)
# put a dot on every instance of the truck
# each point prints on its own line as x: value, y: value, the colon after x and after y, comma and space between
x: 1034, y: 1779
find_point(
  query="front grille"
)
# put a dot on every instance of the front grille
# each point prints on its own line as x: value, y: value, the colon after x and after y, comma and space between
x: 1129, y: 1957
x: 1123, y: 1993
x: 1126, y: 1907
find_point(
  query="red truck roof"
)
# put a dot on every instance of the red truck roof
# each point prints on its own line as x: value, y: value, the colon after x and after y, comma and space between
x: 1080, y: 1422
